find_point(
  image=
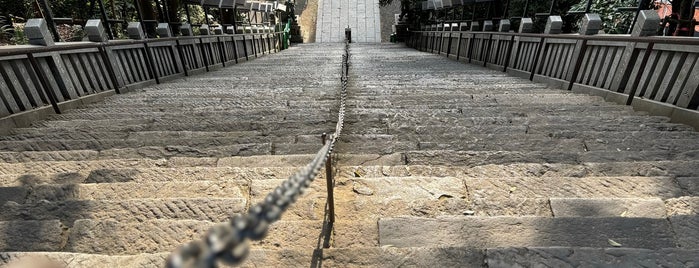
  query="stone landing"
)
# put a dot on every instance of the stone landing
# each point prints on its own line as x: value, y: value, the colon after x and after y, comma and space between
x: 362, y: 16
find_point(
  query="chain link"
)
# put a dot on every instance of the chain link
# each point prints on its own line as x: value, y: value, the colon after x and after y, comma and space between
x: 229, y: 242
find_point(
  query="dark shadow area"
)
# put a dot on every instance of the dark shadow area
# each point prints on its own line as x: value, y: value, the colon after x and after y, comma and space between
x: 324, y: 239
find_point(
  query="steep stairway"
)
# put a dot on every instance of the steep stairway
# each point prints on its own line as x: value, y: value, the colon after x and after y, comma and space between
x: 502, y: 172
x: 441, y: 164
x: 124, y: 182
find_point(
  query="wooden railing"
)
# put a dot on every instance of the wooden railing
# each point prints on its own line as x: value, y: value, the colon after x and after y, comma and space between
x: 35, y: 77
x: 655, y: 74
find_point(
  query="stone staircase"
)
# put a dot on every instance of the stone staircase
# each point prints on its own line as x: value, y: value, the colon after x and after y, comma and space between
x: 442, y: 164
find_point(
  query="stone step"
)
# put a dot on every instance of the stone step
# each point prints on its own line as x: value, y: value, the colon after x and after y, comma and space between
x: 570, y: 145
x: 682, y: 170
x: 518, y: 110
x: 393, y: 257
x: 214, y: 147
x: 279, y: 115
x: 479, y: 158
x: 123, y: 191
x: 468, y: 189
x: 294, y: 127
x: 382, y: 128
x: 125, y: 210
x: 113, y: 237
x: 486, y: 232
x: 429, y: 197
x: 587, y: 136
x: 225, y: 105
x: 32, y: 235
x: 66, y: 169
x: 146, y: 175
x: 685, y: 205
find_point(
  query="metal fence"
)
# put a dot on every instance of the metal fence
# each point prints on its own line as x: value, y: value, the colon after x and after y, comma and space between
x: 662, y: 70
x: 33, y: 77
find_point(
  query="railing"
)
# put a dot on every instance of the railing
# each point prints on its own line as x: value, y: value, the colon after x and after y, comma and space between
x: 229, y: 242
x: 662, y: 72
x: 33, y: 77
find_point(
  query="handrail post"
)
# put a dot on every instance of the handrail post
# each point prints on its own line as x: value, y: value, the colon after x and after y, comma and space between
x: 509, y: 53
x: 637, y: 79
x: 329, y: 183
x: 536, y: 58
x: 110, y: 70
x: 182, y: 57
x: 44, y: 82
x: 203, y: 53
x: 578, y: 64
x: 150, y: 62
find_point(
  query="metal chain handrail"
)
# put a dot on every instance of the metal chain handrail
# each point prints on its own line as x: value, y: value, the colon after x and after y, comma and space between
x: 229, y: 242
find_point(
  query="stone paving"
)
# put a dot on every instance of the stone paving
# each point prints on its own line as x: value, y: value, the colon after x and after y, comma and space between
x: 362, y: 16
x: 443, y: 165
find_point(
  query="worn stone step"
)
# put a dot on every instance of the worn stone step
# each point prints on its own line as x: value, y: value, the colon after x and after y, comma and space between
x: 125, y: 210
x: 264, y: 115
x: 113, y: 237
x: 123, y: 190
x: 242, y: 125
x: 526, y: 232
x: 682, y: 170
x: 32, y: 235
x: 685, y: 205
x: 608, y: 207
x: 590, y: 257
x: 478, y: 158
x: 546, y: 129
x: 395, y: 257
x: 220, y: 105
x: 66, y: 170
x: 144, y: 175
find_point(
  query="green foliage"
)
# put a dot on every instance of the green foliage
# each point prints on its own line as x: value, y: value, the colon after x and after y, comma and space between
x: 613, y: 21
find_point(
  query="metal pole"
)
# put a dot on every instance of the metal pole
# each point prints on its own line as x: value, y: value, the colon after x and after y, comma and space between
x: 588, y: 6
x: 160, y: 10
x: 553, y: 3
x: 206, y: 15
x: 139, y: 12
x: 507, y: 9
x: 526, y: 6
x: 329, y: 184
x: 48, y: 16
x: 641, y: 4
x: 186, y: 10
x: 105, y: 19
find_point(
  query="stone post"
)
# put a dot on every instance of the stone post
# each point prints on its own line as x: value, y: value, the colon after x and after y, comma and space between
x: 204, y: 29
x: 475, y: 26
x: 135, y: 31
x: 463, y: 26
x: 647, y: 24
x: 504, y: 25
x: 526, y: 25
x: 95, y: 31
x: 591, y: 24
x: 488, y: 26
x: 37, y: 32
x: 186, y: 29
x: 554, y: 24
x: 218, y: 30
x: 163, y: 30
